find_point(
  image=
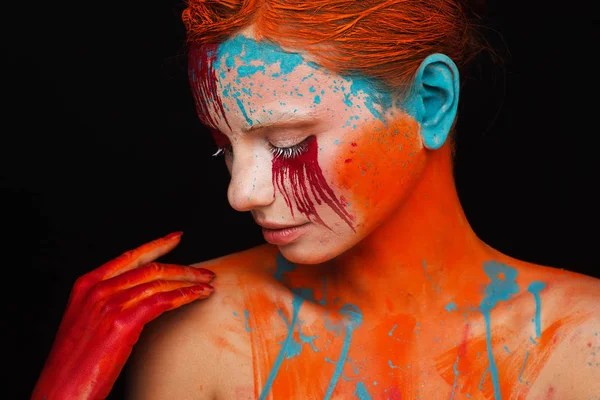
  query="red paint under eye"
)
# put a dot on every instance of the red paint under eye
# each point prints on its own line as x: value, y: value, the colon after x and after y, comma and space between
x: 308, y: 185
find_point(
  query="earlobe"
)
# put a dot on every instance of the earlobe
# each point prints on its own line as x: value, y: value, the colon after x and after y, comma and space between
x: 435, y: 99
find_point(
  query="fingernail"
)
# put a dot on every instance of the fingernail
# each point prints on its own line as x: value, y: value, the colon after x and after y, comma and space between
x: 174, y: 235
x: 203, y: 289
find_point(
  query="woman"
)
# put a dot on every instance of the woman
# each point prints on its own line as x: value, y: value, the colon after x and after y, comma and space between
x: 335, y: 119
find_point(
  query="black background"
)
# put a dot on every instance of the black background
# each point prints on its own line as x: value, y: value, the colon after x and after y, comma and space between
x: 101, y: 151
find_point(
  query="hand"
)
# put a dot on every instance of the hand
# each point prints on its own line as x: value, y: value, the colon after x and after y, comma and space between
x: 105, y: 315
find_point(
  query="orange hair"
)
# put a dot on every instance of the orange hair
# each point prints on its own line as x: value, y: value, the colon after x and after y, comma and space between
x: 382, y: 39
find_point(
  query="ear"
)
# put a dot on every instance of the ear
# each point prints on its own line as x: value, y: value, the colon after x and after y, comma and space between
x: 434, y: 99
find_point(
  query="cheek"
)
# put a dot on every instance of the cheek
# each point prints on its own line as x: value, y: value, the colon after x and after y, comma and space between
x: 377, y: 164
x: 307, y: 187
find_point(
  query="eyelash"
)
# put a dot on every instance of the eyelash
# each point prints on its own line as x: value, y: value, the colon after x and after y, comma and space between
x: 285, y: 153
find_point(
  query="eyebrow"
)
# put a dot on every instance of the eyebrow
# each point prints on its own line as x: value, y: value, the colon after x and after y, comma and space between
x: 284, y: 119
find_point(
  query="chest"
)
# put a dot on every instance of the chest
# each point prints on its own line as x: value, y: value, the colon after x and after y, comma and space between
x: 302, y: 356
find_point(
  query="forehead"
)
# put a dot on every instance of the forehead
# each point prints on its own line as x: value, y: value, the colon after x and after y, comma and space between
x: 243, y: 82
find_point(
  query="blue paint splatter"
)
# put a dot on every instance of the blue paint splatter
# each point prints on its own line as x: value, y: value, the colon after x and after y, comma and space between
x: 373, y: 96
x: 455, y: 368
x: 249, y: 70
x: 523, y: 367
x: 392, y: 366
x: 308, y: 339
x: 283, y: 266
x: 535, y: 288
x: 391, y: 332
x: 323, y: 300
x: 246, y: 314
x: 242, y: 108
x: 347, y: 99
x: 317, y: 99
x: 248, y: 50
x: 480, y: 387
x: 532, y: 340
x: 450, y: 306
x: 501, y: 288
x: 361, y: 392
x: 294, y: 349
x: 506, y: 349
x: 354, y: 321
x: 287, y: 347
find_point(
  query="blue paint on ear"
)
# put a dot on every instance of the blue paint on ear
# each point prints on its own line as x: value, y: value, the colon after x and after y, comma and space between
x: 433, y: 101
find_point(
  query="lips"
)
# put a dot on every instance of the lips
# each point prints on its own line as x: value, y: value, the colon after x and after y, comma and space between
x: 282, y: 234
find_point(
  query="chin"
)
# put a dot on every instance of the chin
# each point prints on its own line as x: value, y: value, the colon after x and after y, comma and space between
x: 307, y: 252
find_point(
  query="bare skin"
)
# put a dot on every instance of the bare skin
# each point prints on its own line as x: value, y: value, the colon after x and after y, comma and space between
x: 208, y: 350
x: 398, y: 300
x: 421, y: 332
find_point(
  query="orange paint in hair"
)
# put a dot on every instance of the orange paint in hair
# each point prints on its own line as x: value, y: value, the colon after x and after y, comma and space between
x: 385, y: 40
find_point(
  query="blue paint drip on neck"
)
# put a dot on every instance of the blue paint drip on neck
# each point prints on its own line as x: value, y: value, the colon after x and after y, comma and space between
x: 535, y: 288
x: 455, y: 369
x: 285, y: 348
x: 354, y: 321
x: 283, y: 266
x: 501, y: 288
x: 361, y: 392
x: 523, y: 366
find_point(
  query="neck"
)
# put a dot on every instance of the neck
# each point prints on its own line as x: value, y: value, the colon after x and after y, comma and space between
x: 422, y: 240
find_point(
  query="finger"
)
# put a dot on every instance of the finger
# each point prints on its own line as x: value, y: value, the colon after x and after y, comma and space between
x: 151, y: 307
x: 150, y: 272
x: 131, y: 297
x: 139, y: 256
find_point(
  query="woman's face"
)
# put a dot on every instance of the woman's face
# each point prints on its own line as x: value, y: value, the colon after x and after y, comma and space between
x: 319, y: 159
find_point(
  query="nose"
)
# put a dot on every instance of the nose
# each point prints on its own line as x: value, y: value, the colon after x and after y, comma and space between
x: 251, y: 184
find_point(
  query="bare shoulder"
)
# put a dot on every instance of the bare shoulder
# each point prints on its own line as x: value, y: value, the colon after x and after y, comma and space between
x: 569, y: 304
x: 181, y: 354
x: 564, y: 291
x: 574, y: 367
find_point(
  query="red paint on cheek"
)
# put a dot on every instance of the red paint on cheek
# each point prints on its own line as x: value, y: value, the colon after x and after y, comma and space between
x: 549, y: 394
x: 203, y: 82
x: 308, y: 185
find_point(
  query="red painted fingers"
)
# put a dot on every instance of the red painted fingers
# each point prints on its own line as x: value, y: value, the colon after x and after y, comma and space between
x: 107, y: 311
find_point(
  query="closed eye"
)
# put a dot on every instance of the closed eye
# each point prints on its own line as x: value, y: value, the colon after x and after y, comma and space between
x: 285, y: 153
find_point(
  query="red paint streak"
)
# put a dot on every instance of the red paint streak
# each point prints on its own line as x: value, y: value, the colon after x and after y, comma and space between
x: 394, y: 394
x: 589, y: 344
x: 353, y: 144
x: 348, y: 160
x: 549, y: 394
x: 462, y: 350
x: 203, y: 81
x: 306, y: 177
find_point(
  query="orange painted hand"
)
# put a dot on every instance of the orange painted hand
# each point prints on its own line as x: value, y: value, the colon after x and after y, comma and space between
x: 106, y: 313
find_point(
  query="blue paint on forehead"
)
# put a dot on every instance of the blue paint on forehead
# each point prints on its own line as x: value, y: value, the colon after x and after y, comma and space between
x: 241, y: 53
x: 249, y: 50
